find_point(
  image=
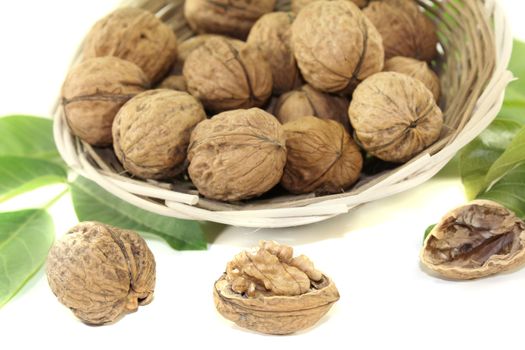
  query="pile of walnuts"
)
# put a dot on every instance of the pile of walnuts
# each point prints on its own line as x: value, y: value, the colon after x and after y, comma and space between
x: 259, y: 99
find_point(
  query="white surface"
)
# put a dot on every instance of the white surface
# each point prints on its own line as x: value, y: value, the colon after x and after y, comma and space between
x: 387, y: 301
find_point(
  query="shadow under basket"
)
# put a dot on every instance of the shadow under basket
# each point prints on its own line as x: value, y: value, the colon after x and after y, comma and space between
x: 475, y: 48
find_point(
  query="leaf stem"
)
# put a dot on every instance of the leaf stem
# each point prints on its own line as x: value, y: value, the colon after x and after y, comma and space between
x: 55, y: 199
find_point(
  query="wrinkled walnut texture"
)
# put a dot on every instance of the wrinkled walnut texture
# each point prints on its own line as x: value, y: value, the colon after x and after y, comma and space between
x: 322, y: 157
x: 94, y: 91
x: 237, y: 154
x: 173, y: 82
x: 308, y: 101
x: 152, y: 131
x: 405, y: 30
x: 232, y: 18
x: 297, y: 5
x: 335, y: 45
x: 415, y: 69
x: 135, y: 35
x: 394, y: 116
x: 271, y: 36
x: 476, y: 240
x: 227, y: 74
x: 101, y: 272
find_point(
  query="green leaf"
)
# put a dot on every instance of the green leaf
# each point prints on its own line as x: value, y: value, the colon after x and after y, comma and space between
x: 94, y: 203
x: 25, y: 239
x: 513, y: 155
x: 27, y: 136
x: 19, y: 175
x: 509, y: 191
x: 428, y: 230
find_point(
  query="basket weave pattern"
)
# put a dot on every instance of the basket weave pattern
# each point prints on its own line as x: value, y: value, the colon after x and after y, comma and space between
x: 475, y: 47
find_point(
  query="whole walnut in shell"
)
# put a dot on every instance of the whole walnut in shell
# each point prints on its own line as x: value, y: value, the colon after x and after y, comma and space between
x: 415, y: 69
x: 322, y: 157
x: 270, y: 291
x: 405, y: 30
x: 237, y: 154
x: 476, y: 240
x: 227, y: 74
x: 173, y: 82
x: 152, y: 131
x: 135, y: 35
x: 297, y: 5
x: 101, y: 272
x: 335, y: 45
x: 186, y: 47
x: 271, y: 35
x: 308, y: 101
x: 224, y: 17
x: 394, y: 116
x: 94, y: 91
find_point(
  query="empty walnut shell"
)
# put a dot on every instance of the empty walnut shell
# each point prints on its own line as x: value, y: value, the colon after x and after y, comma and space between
x: 237, y: 154
x: 101, y: 272
x: 476, y: 240
x: 152, y: 131
x: 228, y: 74
x: 335, y: 45
x: 308, y: 101
x: 271, y: 36
x: 135, y: 35
x: 94, y: 91
x: 405, y: 30
x: 322, y: 157
x: 223, y: 17
x: 394, y: 116
x: 297, y: 5
x: 415, y: 69
x: 270, y: 291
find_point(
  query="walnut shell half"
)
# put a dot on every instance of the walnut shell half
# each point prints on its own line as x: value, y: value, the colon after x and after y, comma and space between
x: 237, y: 154
x: 415, y: 69
x: 478, y: 239
x: 394, y: 116
x: 335, y: 45
x: 101, y: 272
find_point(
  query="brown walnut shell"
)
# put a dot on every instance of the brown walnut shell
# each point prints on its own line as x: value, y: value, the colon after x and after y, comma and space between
x: 308, y: 101
x: 271, y: 36
x: 297, y: 5
x: 227, y: 74
x: 233, y: 18
x: 322, y: 157
x: 476, y: 240
x: 101, y: 272
x: 237, y: 154
x: 135, y: 35
x: 335, y: 45
x: 415, y: 69
x: 173, y: 82
x: 94, y: 91
x: 270, y: 291
x: 394, y: 116
x: 152, y: 131
x: 186, y: 47
x: 405, y: 30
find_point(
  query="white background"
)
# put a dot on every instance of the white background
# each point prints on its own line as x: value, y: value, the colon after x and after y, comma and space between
x: 387, y: 301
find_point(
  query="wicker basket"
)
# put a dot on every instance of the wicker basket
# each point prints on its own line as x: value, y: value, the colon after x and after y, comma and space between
x: 476, y: 44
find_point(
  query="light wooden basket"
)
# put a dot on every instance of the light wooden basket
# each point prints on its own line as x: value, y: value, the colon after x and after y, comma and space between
x: 475, y: 48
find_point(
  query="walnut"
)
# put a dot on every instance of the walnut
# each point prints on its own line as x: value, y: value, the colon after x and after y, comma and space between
x: 405, y: 30
x: 101, y: 272
x: 322, y: 157
x: 173, y: 82
x: 269, y: 291
x: 308, y: 101
x: 94, y: 91
x: 152, y: 131
x: 297, y: 5
x: 335, y: 45
x: 186, y: 47
x: 394, y: 116
x: 416, y: 69
x: 227, y: 74
x: 135, y: 35
x: 237, y: 154
x: 271, y: 35
x: 478, y: 239
x: 224, y: 17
